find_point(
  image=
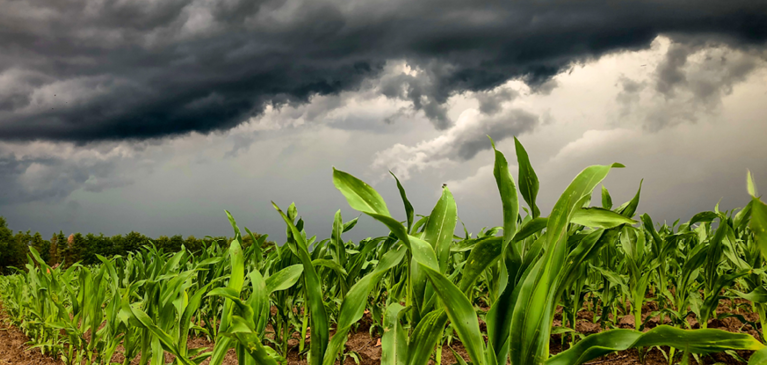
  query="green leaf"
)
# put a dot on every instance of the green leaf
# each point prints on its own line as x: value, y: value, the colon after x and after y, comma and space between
x: 483, y: 256
x: 537, y: 296
x: 530, y: 228
x: 250, y: 341
x: 425, y: 337
x: 441, y: 226
x: 694, y: 341
x: 335, y: 237
x: 607, y: 200
x: 508, y: 191
x: 236, y: 280
x: 409, y: 211
x: 284, y: 278
x: 758, y: 295
x: 359, y: 194
x: 458, y: 308
x: 313, y: 286
x: 353, y: 306
x: 759, y: 357
x: 394, y: 346
x: 599, y: 218
x: 758, y: 224
x: 630, y: 208
x: 330, y: 264
x: 750, y: 185
x: 703, y: 217
x: 528, y: 181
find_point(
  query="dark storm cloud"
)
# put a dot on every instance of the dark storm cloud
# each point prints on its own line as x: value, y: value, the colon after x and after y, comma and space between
x: 83, y: 70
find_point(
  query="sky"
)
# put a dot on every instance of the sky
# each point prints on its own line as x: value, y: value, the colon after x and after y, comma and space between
x: 157, y: 115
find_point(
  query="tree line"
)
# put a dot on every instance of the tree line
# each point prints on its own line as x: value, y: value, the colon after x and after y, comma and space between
x: 66, y: 250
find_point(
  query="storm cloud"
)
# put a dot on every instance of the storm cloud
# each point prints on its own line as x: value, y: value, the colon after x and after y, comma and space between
x: 460, y: 143
x: 86, y: 70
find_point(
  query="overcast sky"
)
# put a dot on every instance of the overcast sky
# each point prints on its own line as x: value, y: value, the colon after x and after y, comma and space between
x: 156, y: 115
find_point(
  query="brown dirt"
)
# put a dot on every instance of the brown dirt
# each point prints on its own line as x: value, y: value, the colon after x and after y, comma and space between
x: 15, y: 350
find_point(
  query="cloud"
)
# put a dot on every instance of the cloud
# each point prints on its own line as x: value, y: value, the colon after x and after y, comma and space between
x: 491, y: 102
x: 50, y: 172
x: 459, y: 143
x: 108, y: 70
x: 687, y: 84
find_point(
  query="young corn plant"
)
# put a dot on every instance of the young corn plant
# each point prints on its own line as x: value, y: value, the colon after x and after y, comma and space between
x: 519, y: 323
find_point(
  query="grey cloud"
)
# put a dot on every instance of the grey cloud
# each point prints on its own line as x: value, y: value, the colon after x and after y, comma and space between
x: 512, y: 123
x: 669, y: 72
x: 545, y: 88
x: 51, y: 178
x: 629, y: 94
x: 490, y: 102
x: 688, y: 84
x: 461, y: 142
x: 87, y: 70
x: 422, y: 91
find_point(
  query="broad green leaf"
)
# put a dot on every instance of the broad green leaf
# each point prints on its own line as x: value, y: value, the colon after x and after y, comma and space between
x: 599, y: 218
x: 425, y: 337
x: 250, y: 341
x: 530, y: 228
x: 484, y: 255
x: 528, y: 181
x: 456, y: 305
x: 694, y: 341
x: 703, y: 217
x: 531, y: 316
x: 284, y: 278
x: 508, y: 191
x: 360, y: 195
x: 330, y: 264
x: 758, y: 295
x: 441, y: 226
x: 759, y: 357
x: 394, y: 346
x: 365, y: 199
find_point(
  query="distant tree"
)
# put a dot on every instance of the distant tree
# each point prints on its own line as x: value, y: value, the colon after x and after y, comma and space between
x: 41, y: 246
x: 96, y: 245
x: 6, y: 243
x: 162, y: 243
x: 77, y: 248
x: 62, y: 248
x: 53, y: 254
x: 175, y: 243
x: 133, y: 241
x: 117, y: 245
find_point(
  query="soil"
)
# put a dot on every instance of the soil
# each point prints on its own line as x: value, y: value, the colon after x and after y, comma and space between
x: 14, y: 348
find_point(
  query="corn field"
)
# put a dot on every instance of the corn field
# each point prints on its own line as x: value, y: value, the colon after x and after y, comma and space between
x: 496, y: 293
